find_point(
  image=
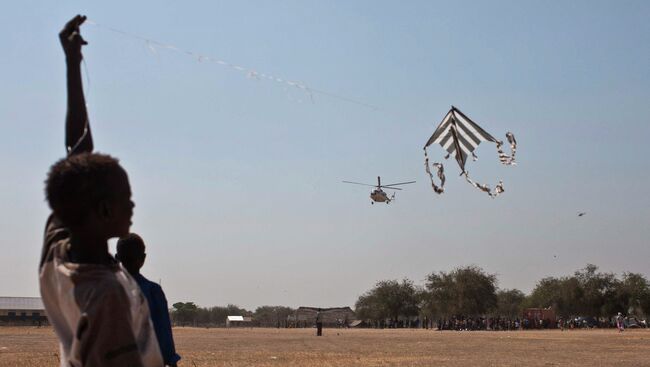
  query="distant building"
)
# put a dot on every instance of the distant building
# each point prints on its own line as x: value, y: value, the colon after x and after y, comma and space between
x: 22, y: 311
x: 239, y: 321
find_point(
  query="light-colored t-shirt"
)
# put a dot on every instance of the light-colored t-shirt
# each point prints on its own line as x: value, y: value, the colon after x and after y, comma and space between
x: 98, y: 312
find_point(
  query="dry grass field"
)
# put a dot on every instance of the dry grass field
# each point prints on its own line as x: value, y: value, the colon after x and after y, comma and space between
x: 34, y: 347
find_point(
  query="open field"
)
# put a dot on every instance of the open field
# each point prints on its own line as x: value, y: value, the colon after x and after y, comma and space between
x: 299, y: 347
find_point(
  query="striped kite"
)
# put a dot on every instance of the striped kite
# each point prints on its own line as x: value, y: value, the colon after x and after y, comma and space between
x: 460, y: 136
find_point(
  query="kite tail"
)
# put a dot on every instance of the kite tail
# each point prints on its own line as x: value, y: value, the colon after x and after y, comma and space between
x: 441, y: 174
x: 508, y: 160
x: 485, y: 188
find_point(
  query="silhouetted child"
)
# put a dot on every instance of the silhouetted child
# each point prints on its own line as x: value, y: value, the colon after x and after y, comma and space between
x: 131, y: 253
x: 97, y: 310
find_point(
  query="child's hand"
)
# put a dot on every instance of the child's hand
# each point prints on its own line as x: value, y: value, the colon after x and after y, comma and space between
x: 71, y: 39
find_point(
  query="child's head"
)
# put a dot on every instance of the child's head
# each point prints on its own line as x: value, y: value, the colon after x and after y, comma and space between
x: 91, y: 191
x: 130, y: 252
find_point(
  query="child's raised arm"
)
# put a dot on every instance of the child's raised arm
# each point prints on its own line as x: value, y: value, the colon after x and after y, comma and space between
x: 78, y: 138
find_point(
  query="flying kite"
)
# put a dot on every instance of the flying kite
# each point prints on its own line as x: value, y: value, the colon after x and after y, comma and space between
x: 460, y: 136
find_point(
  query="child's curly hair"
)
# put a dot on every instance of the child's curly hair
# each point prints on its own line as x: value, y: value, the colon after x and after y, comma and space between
x: 77, y: 183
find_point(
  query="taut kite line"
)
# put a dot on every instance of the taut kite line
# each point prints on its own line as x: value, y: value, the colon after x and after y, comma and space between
x: 460, y: 136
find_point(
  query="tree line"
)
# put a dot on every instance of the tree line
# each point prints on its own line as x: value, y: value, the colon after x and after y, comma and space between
x: 470, y: 291
x: 189, y: 314
x: 465, y: 291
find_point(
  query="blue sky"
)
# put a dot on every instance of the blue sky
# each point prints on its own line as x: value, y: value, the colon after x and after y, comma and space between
x: 237, y: 180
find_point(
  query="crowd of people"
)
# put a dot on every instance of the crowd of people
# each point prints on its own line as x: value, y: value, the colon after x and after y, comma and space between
x: 482, y: 323
x: 464, y: 323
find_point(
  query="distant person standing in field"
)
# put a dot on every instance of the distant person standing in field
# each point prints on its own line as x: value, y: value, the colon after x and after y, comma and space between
x: 620, y: 322
x: 319, y: 323
x: 131, y: 253
x: 96, y: 309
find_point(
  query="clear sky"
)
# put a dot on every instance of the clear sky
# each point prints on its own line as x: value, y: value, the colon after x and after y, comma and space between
x: 237, y: 181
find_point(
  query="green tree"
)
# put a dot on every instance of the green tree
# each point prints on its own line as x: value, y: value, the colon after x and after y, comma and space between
x: 632, y: 296
x: 389, y: 299
x: 219, y: 314
x: 368, y: 307
x: 597, y: 290
x: 509, y: 302
x: 188, y: 313
x: 589, y: 292
x: 439, y: 299
x: 185, y: 312
x: 466, y: 291
x: 562, y: 294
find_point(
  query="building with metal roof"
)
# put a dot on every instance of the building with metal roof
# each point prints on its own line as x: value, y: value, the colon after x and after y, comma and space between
x: 22, y: 310
x: 238, y: 321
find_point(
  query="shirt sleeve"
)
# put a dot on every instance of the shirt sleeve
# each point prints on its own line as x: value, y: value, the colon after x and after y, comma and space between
x: 104, y: 336
x: 162, y: 324
x: 54, y: 232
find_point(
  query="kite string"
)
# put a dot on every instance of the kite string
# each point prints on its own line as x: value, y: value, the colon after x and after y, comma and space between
x: 151, y: 44
x: 253, y: 74
x: 250, y: 73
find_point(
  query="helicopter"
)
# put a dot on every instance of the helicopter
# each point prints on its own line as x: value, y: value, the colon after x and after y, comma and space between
x: 378, y: 195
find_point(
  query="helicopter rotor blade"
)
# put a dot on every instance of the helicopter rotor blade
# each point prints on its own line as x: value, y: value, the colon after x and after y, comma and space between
x: 391, y: 188
x: 397, y: 184
x: 358, y: 183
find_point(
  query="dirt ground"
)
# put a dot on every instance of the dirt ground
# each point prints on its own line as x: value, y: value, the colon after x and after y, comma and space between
x: 35, y: 347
